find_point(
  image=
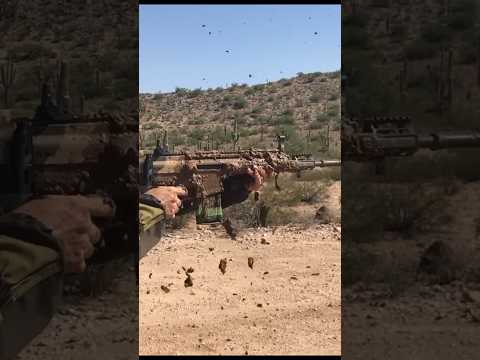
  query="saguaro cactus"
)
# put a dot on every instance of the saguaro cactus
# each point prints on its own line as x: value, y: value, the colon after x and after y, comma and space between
x: 449, y: 78
x: 8, y: 73
x: 235, y: 134
x: 63, y: 98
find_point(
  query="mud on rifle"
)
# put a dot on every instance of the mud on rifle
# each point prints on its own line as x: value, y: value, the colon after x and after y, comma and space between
x: 202, y: 173
x: 377, y: 138
x: 76, y: 155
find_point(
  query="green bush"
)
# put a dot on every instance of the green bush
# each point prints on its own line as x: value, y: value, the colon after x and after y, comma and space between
x: 333, y: 97
x: 239, y: 103
x: 181, y: 91
x: 194, y: 93
x: 249, y: 92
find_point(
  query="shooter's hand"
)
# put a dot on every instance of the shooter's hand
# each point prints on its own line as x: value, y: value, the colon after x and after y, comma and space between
x: 238, y: 187
x: 259, y: 176
x: 170, y: 197
x: 70, y: 219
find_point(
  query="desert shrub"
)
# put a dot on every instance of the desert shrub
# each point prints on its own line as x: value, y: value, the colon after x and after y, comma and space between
x: 314, y: 99
x: 239, y: 103
x: 333, y: 97
x: 181, y: 91
x: 249, y: 92
x: 176, y: 138
x: 257, y: 109
x: 322, y: 118
x: 287, y: 83
x: 332, y: 112
x: 285, y: 119
x: 196, y: 134
x: 270, y: 99
x: 194, y: 93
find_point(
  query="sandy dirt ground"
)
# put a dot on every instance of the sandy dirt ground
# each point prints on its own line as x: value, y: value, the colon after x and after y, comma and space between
x: 424, y: 321
x: 93, y: 327
x: 287, y: 303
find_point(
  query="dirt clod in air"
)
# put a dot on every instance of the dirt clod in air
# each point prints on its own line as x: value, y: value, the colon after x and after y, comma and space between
x: 188, y: 281
x: 223, y: 265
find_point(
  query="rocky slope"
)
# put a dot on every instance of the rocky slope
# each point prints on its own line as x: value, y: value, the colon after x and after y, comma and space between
x: 306, y: 108
x: 97, y: 39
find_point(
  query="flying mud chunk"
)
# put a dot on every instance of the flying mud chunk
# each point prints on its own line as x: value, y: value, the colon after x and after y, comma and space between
x: 223, y: 265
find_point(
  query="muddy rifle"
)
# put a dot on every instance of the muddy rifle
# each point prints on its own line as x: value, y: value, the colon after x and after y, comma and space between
x: 205, y: 176
x: 58, y: 152
x: 377, y: 138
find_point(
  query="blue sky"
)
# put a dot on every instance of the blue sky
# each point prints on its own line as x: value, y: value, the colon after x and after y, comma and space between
x: 264, y: 41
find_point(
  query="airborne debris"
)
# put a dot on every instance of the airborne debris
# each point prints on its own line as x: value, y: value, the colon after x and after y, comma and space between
x: 165, y: 289
x: 315, y: 33
x: 223, y: 265
x: 230, y: 229
x: 188, y: 281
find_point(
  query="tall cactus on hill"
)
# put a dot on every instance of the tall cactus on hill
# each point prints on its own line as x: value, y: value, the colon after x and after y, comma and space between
x: 478, y: 62
x: 7, y: 73
x: 235, y: 135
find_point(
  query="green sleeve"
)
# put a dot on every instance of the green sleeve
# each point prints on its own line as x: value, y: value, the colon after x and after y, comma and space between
x: 149, y: 216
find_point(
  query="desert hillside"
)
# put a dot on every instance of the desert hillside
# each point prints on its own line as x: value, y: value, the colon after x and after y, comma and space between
x: 421, y: 56
x: 97, y: 39
x: 306, y: 108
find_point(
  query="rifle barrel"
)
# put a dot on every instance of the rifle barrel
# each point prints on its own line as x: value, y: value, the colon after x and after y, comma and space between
x: 443, y: 140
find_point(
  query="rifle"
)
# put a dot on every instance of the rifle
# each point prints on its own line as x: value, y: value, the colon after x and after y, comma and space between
x: 374, y: 139
x: 58, y: 152
x: 203, y: 174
